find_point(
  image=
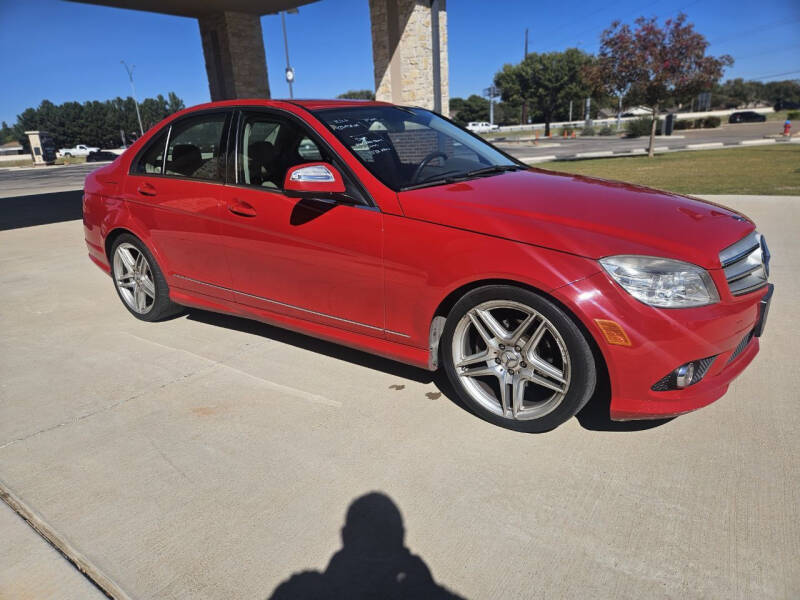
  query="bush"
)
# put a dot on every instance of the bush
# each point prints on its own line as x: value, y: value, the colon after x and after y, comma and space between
x: 683, y: 124
x: 588, y: 131
x: 793, y: 115
x: 711, y: 122
x: 639, y: 127
x: 607, y: 130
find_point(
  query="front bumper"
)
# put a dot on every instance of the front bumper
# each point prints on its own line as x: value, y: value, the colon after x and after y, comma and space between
x: 662, y: 340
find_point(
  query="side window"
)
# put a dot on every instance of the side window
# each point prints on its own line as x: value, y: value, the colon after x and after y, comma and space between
x: 196, y: 148
x: 260, y: 162
x: 151, y: 161
x: 269, y: 146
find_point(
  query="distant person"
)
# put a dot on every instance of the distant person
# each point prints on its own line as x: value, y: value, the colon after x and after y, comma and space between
x: 373, y: 562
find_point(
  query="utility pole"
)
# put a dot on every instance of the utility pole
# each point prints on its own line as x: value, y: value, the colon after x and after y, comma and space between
x: 492, y: 92
x: 524, y: 101
x: 588, y: 116
x: 570, y: 110
x: 133, y: 89
x: 524, y: 56
x: 289, y: 69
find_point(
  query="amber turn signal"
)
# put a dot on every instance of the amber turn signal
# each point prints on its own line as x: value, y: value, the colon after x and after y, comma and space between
x: 614, y: 332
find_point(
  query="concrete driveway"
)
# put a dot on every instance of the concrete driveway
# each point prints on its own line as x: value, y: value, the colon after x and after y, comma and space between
x: 213, y: 457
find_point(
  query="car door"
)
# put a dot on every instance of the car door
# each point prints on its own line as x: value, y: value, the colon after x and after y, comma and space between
x: 174, y: 191
x: 317, y: 259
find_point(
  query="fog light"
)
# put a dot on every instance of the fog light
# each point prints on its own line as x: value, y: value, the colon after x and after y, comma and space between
x: 684, y: 375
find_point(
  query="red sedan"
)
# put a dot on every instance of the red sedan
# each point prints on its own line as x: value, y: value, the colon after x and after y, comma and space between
x: 392, y: 230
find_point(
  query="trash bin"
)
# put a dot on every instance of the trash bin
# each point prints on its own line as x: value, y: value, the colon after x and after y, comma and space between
x: 669, y: 124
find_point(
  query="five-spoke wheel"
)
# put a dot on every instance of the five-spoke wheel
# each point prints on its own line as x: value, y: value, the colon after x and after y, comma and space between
x: 134, y: 278
x: 517, y: 359
x: 139, y: 281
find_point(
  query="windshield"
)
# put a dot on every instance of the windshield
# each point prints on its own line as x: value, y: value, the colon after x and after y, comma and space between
x: 407, y: 148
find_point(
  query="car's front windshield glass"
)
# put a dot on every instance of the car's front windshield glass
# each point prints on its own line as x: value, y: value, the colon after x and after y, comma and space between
x: 407, y: 148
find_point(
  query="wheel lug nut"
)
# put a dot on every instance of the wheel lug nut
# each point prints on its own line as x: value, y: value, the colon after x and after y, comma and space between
x: 517, y: 348
x: 523, y: 365
x: 511, y: 371
x: 502, y: 346
x: 497, y: 360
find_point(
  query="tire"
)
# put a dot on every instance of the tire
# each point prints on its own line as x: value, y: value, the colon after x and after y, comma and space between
x: 528, y: 347
x: 138, y: 279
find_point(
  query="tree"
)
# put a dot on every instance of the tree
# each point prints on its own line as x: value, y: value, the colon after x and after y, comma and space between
x: 547, y: 82
x: 660, y: 63
x: 357, y: 95
x: 95, y: 123
x: 474, y: 108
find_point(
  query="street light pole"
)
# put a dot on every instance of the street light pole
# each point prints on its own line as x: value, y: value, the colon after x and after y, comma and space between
x: 133, y: 89
x: 289, y: 69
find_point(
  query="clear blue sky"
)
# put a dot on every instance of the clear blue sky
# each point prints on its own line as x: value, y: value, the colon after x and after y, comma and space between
x: 66, y: 51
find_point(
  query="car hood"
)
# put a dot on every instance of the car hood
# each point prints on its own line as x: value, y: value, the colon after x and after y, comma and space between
x: 582, y: 215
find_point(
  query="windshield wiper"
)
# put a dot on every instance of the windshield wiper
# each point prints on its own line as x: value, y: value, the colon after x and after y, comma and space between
x: 439, y: 180
x: 491, y: 170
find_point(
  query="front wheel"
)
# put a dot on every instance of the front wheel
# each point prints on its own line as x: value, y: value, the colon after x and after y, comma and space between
x: 516, y: 359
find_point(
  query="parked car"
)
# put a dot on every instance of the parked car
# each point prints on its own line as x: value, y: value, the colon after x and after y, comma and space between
x: 481, y: 127
x: 747, y: 116
x: 101, y: 155
x: 79, y: 150
x: 411, y: 238
x: 786, y: 105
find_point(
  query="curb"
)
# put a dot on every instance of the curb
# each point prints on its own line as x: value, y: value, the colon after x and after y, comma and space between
x: 658, y: 150
x: 99, y: 579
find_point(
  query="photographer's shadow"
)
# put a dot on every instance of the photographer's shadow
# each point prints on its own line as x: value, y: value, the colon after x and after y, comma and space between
x: 373, y: 561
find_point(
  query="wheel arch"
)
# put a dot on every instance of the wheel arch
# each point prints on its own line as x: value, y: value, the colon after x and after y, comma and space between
x: 446, y: 305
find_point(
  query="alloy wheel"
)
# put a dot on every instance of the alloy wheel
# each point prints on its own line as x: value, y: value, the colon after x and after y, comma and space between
x: 134, y: 278
x: 511, y: 360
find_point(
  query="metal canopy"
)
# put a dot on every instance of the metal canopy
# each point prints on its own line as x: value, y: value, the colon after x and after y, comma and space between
x: 193, y: 8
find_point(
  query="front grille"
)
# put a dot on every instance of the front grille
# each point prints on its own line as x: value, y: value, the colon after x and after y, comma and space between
x: 742, y: 345
x: 746, y: 264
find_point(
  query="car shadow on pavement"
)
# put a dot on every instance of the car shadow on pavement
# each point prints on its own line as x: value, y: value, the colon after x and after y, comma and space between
x: 594, y: 416
x: 372, y: 563
x: 40, y: 209
x: 312, y: 344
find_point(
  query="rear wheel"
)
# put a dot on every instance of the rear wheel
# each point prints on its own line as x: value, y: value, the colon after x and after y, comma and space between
x: 516, y: 359
x: 139, y: 281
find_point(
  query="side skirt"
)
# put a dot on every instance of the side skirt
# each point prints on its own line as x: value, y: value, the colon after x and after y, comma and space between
x: 417, y: 357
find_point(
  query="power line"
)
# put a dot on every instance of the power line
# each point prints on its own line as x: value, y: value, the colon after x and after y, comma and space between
x: 772, y: 49
x: 765, y: 27
x: 773, y: 75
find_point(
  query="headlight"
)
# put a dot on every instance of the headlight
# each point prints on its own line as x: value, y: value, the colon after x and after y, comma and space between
x: 662, y: 282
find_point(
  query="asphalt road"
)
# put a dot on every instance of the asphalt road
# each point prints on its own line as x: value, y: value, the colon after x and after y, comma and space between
x: 215, y: 457
x: 567, y: 148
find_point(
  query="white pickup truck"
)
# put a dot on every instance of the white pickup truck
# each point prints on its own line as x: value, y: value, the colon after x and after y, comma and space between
x: 481, y: 127
x: 79, y: 150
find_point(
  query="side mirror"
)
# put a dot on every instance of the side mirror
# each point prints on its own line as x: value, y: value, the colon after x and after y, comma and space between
x: 313, y: 178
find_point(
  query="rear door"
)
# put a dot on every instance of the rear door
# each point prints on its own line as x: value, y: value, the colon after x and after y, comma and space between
x: 174, y: 191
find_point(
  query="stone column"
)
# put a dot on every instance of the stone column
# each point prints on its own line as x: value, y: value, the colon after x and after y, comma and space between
x: 402, y: 52
x: 233, y: 47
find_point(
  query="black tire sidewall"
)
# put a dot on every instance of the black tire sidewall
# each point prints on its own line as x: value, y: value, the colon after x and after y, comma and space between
x: 163, y: 307
x: 582, y: 364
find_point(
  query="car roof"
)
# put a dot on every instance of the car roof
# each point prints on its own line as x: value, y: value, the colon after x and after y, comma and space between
x: 308, y: 104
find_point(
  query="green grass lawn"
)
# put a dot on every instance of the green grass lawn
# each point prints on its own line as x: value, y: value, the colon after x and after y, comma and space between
x: 769, y: 170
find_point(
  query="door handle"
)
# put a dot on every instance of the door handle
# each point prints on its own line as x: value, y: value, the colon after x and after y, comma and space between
x: 241, y: 208
x: 146, y: 189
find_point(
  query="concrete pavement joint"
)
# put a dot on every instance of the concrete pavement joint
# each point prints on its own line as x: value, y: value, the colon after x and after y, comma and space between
x: 278, y: 387
x: 99, y: 579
